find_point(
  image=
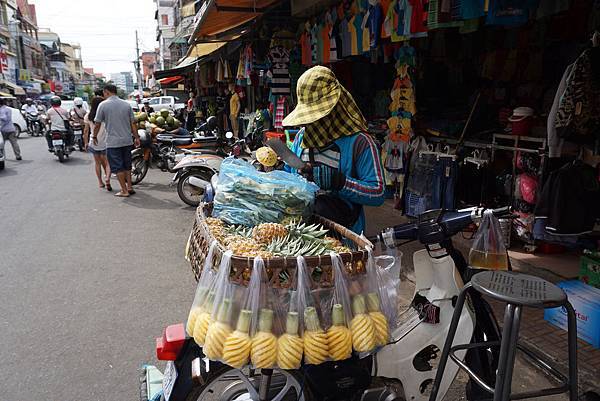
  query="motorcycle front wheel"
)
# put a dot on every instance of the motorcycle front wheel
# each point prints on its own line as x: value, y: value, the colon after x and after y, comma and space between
x: 188, y: 193
x: 228, y: 384
x: 139, y: 169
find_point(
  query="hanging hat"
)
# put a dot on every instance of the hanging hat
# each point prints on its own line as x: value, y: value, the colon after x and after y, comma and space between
x: 318, y: 92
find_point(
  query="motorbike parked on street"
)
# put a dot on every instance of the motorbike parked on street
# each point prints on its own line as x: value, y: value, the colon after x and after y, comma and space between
x: 402, y: 370
x: 60, y: 145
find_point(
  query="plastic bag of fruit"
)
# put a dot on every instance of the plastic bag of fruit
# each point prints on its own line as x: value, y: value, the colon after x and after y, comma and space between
x: 316, y: 346
x: 290, y: 346
x: 248, y: 197
x: 339, y: 314
x: 381, y: 300
x: 201, y: 308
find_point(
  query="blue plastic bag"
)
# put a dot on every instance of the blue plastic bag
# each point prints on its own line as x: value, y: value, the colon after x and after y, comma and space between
x: 250, y: 197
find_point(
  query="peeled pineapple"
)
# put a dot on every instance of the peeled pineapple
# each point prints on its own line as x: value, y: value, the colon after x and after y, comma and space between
x: 339, y: 338
x: 218, y: 332
x: 267, y: 232
x: 236, y: 350
x: 316, y: 349
x: 290, y: 345
x: 242, y: 246
x: 264, y: 344
x: 194, y: 312
x: 203, y: 320
x: 363, y: 330
x: 379, y: 320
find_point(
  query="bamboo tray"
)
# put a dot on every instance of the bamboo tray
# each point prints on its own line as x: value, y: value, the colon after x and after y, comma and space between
x: 278, y: 267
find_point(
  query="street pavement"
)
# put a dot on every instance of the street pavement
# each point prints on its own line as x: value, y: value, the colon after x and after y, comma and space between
x: 87, y: 280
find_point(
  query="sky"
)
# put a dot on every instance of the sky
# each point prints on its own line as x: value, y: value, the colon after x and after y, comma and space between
x: 105, y: 29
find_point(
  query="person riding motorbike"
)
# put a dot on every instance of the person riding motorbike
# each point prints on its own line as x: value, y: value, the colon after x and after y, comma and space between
x: 146, y: 108
x: 340, y: 156
x: 27, y: 108
x: 78, y: 112
x: 59, y: 121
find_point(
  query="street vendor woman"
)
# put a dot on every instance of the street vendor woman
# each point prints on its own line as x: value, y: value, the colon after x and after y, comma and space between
x: 342, y: 159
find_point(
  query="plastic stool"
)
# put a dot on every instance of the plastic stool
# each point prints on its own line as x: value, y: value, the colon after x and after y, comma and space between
x: 518, y: 291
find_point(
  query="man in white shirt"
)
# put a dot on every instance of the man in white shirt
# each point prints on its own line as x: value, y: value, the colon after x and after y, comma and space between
x: 29, y: 107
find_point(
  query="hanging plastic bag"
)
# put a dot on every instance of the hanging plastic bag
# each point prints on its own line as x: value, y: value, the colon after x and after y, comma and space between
x: 207, y: 278
x: 488, y: 250
x: 380, y: 300
x: 290, y: 346
x: 220, y: 328
x: 316, y: 346
x: 339, y: 337
x: 266, y: 317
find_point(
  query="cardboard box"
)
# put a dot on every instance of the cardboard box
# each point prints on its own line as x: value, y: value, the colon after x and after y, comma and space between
x: 586, y: 302
x: 589, y: 270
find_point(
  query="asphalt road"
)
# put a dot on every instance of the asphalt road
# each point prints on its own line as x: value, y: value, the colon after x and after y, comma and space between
x: 87, y: 280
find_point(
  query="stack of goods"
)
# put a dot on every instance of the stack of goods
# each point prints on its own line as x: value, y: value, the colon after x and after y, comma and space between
x: 251, y: 323
x: 160, y: 119
x: 248, y: 197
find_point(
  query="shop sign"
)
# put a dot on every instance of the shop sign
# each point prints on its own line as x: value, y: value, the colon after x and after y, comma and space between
x: 3, y: 60
x: 10, y: 74
x: 23, y: 75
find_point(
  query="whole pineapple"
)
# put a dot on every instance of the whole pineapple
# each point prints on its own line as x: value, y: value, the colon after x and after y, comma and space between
x: 267, y: 232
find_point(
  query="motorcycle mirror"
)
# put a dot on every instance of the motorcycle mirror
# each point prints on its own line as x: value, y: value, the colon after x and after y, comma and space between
x: 229, y: 135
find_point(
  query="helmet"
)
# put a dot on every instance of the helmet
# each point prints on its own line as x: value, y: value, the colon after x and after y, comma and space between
x: 55, y: 101
x: 28, y: 100
x: 266, y: 156
x: 78, y: 101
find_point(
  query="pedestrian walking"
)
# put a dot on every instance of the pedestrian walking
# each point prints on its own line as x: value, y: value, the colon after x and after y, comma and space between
x: 117, y: 116
x: 8, y: 128
x: 97, y: 150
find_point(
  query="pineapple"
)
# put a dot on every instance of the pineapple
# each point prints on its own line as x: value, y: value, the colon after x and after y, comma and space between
x: 363, y: 330
x: 236, y: 350
x: 379, y: 320
x: 242, y: 246
x: 308, y: 233
x: 264, y: 344
x: 289, y: 345
x: 203, y: 320
x: 339, y: 337
x: 218, y: 332
x: 267, y: 232
x: 316, y: 349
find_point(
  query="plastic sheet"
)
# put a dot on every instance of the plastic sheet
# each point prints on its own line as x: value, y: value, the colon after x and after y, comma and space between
x: 249, y: 197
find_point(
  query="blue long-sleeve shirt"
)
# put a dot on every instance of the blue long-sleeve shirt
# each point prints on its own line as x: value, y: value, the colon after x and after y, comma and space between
x: 357, y: 157
x: 6, y: 123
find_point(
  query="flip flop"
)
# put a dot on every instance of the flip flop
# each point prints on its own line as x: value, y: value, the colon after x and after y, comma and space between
x: 121, y: 195
x: 108, y: 187
x: 131, y: 192
x: 101, y: 186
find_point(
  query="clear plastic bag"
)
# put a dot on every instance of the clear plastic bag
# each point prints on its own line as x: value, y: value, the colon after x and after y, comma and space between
x: 316, y: 346
x: 222, y: 310
x: 205, y: 284
x: 249, y: 197
x: 380, y: 300
x: 339, y: 337
x: 266, y: 321
x: 290, y: 346
x: 488, y: 250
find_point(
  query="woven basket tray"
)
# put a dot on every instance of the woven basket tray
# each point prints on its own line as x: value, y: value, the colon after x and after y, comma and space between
x: 278, y: 267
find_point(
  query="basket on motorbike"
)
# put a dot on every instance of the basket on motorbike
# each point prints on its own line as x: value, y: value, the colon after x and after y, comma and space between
x: 355, y: 259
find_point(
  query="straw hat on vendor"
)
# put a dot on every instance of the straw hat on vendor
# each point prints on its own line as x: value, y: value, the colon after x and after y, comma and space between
x: 342, y: 158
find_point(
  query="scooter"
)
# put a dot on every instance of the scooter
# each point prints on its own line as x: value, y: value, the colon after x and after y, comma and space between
x: 34, y: 125
x: 403, y: 370
x: 78, y: 136
x: 60, y: 145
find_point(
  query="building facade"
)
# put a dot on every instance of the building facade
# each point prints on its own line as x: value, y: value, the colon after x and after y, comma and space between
x: 59, y: 75
x: 185, y: 12
x: 149, y: 65
x: 123, y: 80
x: 165, y: 31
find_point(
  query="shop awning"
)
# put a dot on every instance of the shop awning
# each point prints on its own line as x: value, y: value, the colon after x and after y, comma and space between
x: 6, y: 95
x: 16, y: 88
x: 217, y: 16
x: 170, y: 81
x: 194, y: 53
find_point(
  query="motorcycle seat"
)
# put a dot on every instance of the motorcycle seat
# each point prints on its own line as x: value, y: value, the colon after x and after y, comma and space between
x: 205, y: 139
x: 168, y: 138
x: 182, y: 141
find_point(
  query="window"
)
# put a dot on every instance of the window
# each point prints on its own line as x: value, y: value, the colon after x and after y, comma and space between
x: 165, y: 19
x: 165, y: 100
x: 155, y: 100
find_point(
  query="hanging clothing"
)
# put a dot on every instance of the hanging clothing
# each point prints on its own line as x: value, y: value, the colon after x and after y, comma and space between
x: 248, y: 61
x: 418, y: 21
x: 306, y: 52
x: 578, y: 116
x: 470, y: 9
x: 326, y: 48
x: 555, y: 143
x: 279, y: 57
x: 375, y: 20
x: 355, y: 34
x: 314, y: 35
x: 510, y: 12
x: 281, y: 110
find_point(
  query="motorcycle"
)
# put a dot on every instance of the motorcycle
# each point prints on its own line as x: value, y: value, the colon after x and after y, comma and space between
x: 403, y: 370
x: 76, y: 125
x: 195, y: 170
x: 34, y: 125
x: 60, y: 145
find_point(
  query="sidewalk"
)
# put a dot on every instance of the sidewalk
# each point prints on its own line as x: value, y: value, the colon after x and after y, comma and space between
x: 535, y: 332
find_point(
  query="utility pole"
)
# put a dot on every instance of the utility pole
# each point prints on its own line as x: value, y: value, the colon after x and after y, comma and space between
x: 137, y: 63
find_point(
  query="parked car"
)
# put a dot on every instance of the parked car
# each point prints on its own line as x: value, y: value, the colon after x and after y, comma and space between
x: 134, y: 105
x: 166, y: 102
x: 18, y: 121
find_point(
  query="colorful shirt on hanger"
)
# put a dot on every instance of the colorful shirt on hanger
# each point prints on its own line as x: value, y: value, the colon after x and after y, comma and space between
x: 326, y: 51
x: 331, y: 20
x: 355, y: 37
x: 306, y: 52
x: 375, y: 21
x: 510, y: 12
x: 281, y: 111
x: 418, y: 21
x: 279, y: 57
x: 320, y: 43
x: 346, y: 37
x: 470, y: 9
x: 314, y: 34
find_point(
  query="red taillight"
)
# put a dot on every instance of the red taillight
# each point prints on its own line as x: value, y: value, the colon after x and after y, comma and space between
x: 57, y: 136
x: 171, y: 342
x: 237, y: 150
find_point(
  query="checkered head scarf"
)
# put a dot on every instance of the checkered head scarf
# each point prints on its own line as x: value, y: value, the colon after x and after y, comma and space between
x: 325, y: 108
